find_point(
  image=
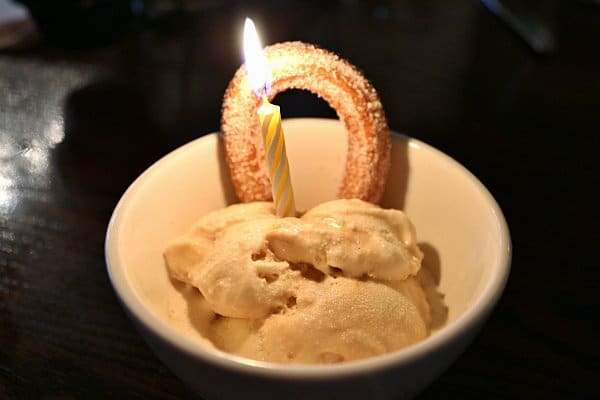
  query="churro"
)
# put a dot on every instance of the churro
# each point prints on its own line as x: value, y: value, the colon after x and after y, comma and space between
x: 298, y: 65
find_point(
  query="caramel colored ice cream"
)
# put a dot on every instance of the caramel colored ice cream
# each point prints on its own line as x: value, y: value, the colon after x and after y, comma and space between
x: 336, y: 284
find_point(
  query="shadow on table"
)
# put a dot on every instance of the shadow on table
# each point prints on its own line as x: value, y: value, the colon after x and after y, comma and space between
x: 109, y: 138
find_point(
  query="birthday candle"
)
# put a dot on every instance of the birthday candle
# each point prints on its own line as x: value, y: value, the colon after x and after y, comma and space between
x: 279, y: 171
x: 269, y: 116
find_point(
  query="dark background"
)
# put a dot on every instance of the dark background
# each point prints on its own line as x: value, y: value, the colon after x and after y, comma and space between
x: 106, y: 91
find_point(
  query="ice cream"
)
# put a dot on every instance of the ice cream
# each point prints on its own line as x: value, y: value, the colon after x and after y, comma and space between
x: 336, y: 284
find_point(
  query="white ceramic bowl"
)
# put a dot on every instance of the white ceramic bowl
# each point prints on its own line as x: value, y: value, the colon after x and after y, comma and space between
x: 458, y: 222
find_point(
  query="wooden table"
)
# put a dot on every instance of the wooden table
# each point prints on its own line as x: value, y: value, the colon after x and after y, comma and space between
x: 77, y: 125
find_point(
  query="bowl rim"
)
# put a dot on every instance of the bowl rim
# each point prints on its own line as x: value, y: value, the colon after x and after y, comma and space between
x: 470, y: 320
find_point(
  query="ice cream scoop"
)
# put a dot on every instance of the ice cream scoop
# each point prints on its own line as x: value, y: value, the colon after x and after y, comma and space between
x: 336, y: 284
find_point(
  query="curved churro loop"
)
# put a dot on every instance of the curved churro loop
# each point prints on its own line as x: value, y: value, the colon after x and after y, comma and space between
x: 297, y: 65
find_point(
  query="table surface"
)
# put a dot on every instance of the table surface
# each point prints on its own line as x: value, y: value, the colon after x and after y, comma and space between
x: 78, y: 123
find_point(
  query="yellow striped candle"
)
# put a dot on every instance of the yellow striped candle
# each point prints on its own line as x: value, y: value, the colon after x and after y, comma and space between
x: 269, y: 115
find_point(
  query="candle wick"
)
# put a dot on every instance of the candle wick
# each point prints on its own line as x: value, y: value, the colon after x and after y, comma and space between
x: 266, y: 89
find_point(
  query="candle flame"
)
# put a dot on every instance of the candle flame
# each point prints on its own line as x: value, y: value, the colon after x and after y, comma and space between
x: 257, y: 67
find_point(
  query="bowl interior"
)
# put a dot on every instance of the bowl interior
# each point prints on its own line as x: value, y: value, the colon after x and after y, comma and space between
x: 459, y: 225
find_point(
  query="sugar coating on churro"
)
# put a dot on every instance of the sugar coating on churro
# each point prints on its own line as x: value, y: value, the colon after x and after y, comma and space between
x: 298, y: 65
